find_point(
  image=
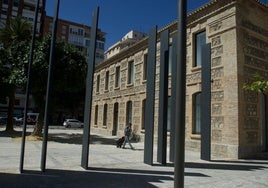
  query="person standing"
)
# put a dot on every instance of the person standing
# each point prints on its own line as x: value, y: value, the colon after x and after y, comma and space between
x: 127, y: 133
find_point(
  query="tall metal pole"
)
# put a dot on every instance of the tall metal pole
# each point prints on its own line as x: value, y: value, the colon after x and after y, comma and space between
x: 173, y: 98
x: 163, y: 99
x: 206, y: 102
x: 180, y: 97
x: 49, y: 80
x: 150, y: 97
x: 89, y: 89
x: 28, y: 89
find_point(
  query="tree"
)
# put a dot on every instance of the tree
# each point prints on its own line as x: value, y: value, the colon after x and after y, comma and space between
x: 15, y: 38
x: 68, y: 78
x: 259, y: 84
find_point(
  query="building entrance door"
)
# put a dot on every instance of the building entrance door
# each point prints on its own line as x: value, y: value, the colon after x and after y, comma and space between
x: 115, y: 119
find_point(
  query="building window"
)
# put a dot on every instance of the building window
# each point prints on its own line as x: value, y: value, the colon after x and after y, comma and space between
x: 143, y: 114
x: 117, y: 77
x: 105, y: 108
x: 64, y: 29
x: 129, y: 112
x: 130, y: 72
x: 87, y: 41
x: 106, y: 80
x: 145, y: 60
x: 96, y: 115
x: 17, y: 102
x: 169, y: 114
x: 15, y: 3
x: 197, y: 113
x: 200, y: 40
x: 98, y: 84
x: 50, y: 26
x: 170, y: 49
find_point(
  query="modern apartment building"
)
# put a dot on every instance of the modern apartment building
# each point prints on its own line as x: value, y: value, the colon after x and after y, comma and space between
x: 77, y: 35
x: 73, y: 33
x: 23, y: 8
x: 26, y: 10
x: 238, y: 33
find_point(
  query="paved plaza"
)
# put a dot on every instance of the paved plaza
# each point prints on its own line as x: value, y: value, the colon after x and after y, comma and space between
x: 112, y: 167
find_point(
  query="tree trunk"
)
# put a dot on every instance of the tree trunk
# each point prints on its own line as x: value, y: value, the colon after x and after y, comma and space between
x: 39, y: 125
x: 9, y: 127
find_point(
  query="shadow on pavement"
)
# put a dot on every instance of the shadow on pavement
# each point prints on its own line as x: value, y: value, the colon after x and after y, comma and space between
x: 93, y: 177
x: 224, y: 166
x: 90, y: 178
x: 246, y: 161
x: 13, y: 134
x: 77, y: 139
x: 218, y: 166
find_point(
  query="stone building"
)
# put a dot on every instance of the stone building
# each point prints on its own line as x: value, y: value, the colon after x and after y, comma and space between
x: 238, y: 33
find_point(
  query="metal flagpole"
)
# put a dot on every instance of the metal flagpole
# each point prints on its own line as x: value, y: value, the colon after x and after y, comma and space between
x: 49, y: 80
x: 150, y: 97
x: 89, y: 89
x: 28, y: 89
x: 180, y: 97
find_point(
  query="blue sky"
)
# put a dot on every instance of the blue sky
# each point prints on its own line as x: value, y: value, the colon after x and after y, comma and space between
x: 117, y: 17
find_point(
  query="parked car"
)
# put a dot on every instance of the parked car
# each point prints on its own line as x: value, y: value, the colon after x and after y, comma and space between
x: 73, y: 123
x: 3, y: 120
x: 17, y: 121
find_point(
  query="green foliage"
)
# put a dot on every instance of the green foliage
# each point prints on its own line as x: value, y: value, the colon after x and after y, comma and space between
x: 18, y: 30
x: 259, y: 84
x: 69, y: 67
x: 14, y: 57
x: 68, y: 76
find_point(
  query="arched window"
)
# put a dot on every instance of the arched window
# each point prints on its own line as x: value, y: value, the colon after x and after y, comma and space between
x: 105, y: 108
x: 129, y: 112
x: 169, y: 114
x: 96, y: 115
x: 196, y: 113
x: 143, y: 114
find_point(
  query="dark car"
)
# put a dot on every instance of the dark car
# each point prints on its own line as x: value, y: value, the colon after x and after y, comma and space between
x: 3, y: 120
x: 16, y: 121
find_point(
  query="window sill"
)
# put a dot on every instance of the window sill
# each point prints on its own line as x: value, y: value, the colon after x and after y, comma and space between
x: 196, y: 136
x: 117, y: 88
x: 197, y: 68
x: 130, y: 85
x: 106, y: 91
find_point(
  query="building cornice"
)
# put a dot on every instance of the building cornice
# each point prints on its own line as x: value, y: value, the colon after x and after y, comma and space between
x: 202, y: 12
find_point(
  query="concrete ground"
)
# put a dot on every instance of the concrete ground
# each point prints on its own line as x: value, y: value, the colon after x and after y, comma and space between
x: 112, y: 167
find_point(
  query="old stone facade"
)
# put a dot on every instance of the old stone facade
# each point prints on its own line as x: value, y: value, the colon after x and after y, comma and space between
x: 238, y: 33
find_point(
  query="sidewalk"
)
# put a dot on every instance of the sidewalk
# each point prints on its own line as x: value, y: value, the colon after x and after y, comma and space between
x: 112, y: 167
